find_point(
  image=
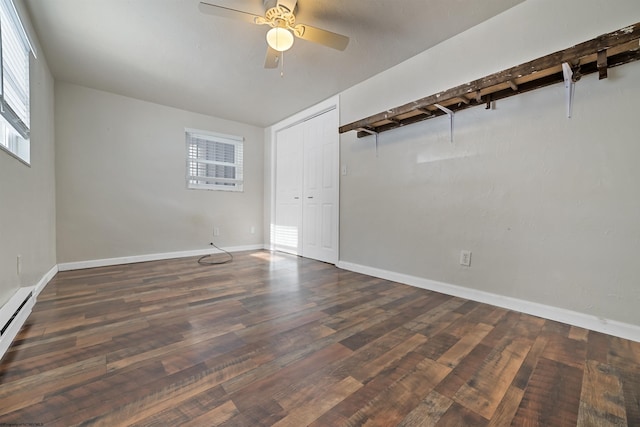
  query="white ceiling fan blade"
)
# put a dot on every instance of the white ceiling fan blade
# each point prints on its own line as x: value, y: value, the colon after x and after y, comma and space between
x: 289, y: 4
x: 225, y: 12
x: 323, y: 37
x: 272, y: 59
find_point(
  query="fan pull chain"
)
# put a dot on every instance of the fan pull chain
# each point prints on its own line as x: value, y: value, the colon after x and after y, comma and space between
x: 281, y: 64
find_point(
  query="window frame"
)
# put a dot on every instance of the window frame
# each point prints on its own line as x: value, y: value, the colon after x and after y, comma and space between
x: 218, y: 183
x: 13, y: 144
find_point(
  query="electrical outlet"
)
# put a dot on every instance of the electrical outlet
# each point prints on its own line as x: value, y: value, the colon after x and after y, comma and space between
x: 19, y: 265
x: 344, y: 170
x: 253, y: 229
x: 465, y: 258
x: 216, y: 231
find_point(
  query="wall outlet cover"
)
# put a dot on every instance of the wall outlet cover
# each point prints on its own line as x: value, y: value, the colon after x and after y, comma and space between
x: 465, y: 258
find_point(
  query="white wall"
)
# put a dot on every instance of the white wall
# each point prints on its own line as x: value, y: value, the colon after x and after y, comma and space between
x: 121, y: 190
x: 27, y: 193
x: 549, y: 206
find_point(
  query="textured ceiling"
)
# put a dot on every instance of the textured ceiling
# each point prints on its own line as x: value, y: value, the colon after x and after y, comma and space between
x: 167, y: 52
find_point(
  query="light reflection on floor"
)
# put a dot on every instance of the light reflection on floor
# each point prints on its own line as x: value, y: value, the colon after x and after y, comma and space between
x: 285, y: 275
x: 268, y: 256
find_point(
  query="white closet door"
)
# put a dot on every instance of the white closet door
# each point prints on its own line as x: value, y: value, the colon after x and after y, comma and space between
x: 286, y: 232
x: 320, y: 202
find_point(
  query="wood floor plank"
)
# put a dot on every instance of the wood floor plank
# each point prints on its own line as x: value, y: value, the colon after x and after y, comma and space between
x: 530, y: 362
x: 567, y: 351
x: 507, y: 408
x: 160, y: 398
x: 598, y: 345
x: 428, y: 412
x: 270, y: 385
x: 193, y: 353
x: 435, y: 347
x: 212, y: 405
x: 362, y: 398
x: 368, y: 353
x: 624, y: 357
x: 20, y: 394
x: 630, y: 378
x: 468, y: 342
x: 486, y: 389
x: 392, y: 405
x: 409, y: 311
x: 436, y: 320
x: 552, y: 397
x: 464, y: 371
x: 367, y: 371
x: 457, y: 416
x: 301, y: 394
x: 312, y: 402
x: 219, y: 415
x: 602, y: 398
x: 579, y: 334
x: 274, y: 339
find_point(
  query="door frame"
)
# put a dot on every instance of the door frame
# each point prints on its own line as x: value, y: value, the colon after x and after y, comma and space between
x: 271, y: 135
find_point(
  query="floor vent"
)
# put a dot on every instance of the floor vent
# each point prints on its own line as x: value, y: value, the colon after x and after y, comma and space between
x: 13, y: 315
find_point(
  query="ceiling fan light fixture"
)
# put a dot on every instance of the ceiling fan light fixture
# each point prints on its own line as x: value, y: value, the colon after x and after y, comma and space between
x: 280, y: 39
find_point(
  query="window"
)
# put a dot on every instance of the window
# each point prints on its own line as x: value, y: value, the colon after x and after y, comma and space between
x: 14, y: 83
x: 214, y: 161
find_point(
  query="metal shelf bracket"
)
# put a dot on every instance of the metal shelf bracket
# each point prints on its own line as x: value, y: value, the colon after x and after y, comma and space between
x: 569, y: 86
x: 450, y: 114
x: 370, y: 132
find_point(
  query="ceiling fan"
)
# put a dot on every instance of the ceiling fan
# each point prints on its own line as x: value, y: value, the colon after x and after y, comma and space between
x: 279, y: 15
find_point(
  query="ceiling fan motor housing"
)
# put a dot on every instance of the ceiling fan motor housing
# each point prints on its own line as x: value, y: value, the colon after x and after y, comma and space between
x: 270, y: 4
x: 280, y: 16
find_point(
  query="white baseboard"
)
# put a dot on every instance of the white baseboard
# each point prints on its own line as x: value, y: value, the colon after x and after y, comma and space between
x: 7, y: 312
x: 77, y: 265
x: 22, y: 302
x: 44, y: 280
x: 582, y: 320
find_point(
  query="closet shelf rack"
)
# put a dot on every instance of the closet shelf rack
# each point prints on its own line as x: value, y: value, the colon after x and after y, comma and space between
x: 593, y: 56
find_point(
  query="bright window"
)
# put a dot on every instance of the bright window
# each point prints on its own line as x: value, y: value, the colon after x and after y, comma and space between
x: 14, y: 83
x: 214, y: 161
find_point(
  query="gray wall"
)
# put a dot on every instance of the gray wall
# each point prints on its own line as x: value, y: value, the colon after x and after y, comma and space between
x: 27, y: 193
x: 121, y: 191
x: 549, y: 206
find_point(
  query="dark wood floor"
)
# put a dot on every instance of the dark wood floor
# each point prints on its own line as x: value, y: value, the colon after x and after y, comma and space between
x: 272, y: 339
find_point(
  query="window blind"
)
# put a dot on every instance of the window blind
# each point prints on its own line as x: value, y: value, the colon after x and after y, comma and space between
x: 214, y: 162
x: 14, y: 84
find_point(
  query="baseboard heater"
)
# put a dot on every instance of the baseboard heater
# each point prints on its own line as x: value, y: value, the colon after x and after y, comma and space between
x: 13, y: 315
